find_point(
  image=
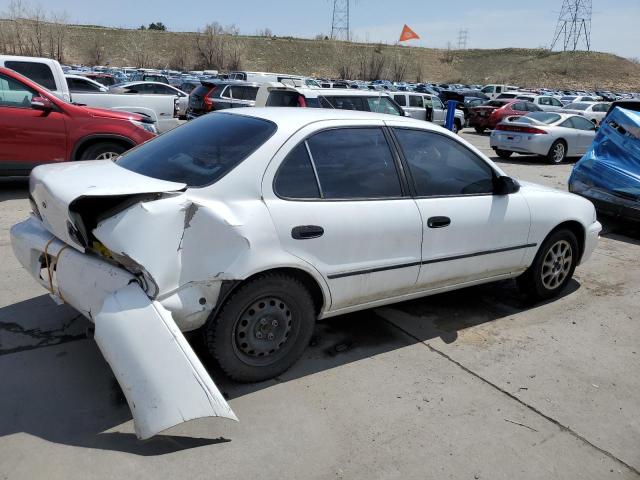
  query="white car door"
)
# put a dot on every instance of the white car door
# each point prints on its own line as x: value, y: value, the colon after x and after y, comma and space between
x: 470, y: 233
x: 439, y: 112
x: 416, y: 104
x: 335, y: 194
x: 586, y: 132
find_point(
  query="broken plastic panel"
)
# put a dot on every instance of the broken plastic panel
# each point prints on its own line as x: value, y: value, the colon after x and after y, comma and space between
x: 162, y: 378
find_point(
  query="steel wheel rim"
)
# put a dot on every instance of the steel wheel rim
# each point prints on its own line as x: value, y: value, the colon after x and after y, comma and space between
x: 558, y: 153
x: 263, y: 331
x: 556, y: 264
x: 107, y: 156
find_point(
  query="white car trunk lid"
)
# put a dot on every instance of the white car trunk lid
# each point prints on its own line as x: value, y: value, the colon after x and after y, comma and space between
x: 54, y: 187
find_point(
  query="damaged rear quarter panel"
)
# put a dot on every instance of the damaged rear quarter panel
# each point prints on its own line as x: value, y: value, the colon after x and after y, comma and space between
x: 189, y: 245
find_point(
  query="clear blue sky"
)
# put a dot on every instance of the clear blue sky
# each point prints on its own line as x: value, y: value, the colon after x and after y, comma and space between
x: 491, y: 24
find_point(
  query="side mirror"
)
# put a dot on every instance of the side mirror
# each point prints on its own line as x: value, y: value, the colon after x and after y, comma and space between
x: 41, y: 103
x: 505, y: 185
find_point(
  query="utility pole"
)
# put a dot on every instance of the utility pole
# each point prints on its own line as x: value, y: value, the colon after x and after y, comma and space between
x: 463, y: 37
x: 340, y: 23
x: 573, y: 29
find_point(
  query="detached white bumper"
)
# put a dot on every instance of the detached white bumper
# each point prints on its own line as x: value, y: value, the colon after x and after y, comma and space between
x: 591, y: 240
x: 162, y: 378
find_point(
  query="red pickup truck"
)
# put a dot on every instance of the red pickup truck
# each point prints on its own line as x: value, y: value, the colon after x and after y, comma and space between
x: 37, y: 127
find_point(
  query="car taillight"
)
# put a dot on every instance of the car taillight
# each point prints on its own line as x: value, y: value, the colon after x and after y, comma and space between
x: 301, y: 101
x: 207, y: 101
x: 519, y: 129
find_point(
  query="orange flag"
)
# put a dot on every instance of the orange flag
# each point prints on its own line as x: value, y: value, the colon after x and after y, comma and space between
x: 408, y: 34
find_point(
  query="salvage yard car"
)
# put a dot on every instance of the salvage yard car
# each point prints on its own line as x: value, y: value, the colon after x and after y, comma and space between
x: 38, y: 127
x: 489, y: 114
x: 254, y: 223
x: 555, y: 136
x: 609, y: 173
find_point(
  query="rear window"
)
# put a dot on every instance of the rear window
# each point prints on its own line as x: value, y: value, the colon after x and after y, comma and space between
x: 200, y: 152
x: 495, y: 103
x: 543, y: 117
x: 36, y: 71
x: 200, y: 90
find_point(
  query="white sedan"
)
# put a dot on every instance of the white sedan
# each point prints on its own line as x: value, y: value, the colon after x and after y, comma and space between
x: 555, y: 136
x: 252, y: 224
x: 592, y: 111
x: 155, y: 88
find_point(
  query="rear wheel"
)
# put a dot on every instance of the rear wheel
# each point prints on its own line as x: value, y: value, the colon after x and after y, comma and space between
x: 503, y: 153
x: 552, y: 267
x: 103, y: 151
x: 262, y: 328
x: 456, y: 126
x: 557, y: 152
x: 479, y: 130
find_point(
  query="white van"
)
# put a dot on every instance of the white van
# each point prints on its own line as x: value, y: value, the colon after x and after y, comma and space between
x: 45, y: 71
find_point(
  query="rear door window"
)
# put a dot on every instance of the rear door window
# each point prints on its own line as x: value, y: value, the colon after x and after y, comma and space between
x: 354, y: 163
x: 282, y: 98
x: 295, y: 177
x: 400, y: 100
x: 36, y: 71
x: 416, y: 101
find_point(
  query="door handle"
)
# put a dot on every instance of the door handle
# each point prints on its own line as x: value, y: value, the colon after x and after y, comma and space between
x: 438, y: 222
x: 306, y: 232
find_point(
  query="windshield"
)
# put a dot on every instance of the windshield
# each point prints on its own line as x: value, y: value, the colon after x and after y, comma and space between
x: 200, y: 152
x: 577, y: 106
x: 542, y: 117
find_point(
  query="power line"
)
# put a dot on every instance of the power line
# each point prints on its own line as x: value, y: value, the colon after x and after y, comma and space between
x: 463, y: 37
x: 340, y: 22
x: 573, y: 29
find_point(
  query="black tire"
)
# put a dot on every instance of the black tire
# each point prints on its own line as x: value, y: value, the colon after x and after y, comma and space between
x: 503, y: 153
x: 538, y: 281
x: 103, y: 149
x: 245, y: 341
x: 479, y: 130
x: 557, y: 152
x: 456, y: 127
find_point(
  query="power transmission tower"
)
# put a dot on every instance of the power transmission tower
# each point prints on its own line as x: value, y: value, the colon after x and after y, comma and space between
x: 574, y: 25
x: 340, y: 23
x: 463, y: 36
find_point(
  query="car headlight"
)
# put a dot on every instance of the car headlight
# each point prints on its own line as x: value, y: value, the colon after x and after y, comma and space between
x: 149, y: 127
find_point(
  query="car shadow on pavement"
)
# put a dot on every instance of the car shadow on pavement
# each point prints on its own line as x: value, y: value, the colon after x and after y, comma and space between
x: 349, y: 338
x: 621, y: 230
x: 14, y: 188
x: 67, y: 394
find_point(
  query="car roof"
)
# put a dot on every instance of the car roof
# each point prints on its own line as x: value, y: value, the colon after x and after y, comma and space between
x: 294, y: 118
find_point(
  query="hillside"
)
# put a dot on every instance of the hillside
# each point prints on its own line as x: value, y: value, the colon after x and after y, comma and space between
x: 326, y: 58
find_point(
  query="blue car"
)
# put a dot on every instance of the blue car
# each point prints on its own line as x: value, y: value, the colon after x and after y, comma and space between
x: 609, y: 173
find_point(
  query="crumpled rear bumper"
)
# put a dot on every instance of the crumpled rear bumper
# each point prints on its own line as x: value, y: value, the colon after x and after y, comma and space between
x: 161, y: 376
x: 81, y: 280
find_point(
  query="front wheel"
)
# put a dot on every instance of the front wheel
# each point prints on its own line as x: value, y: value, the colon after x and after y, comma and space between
x: 479, y: 130
x: 262, y: 328
x: 456, y: 127
x: 553, y: 266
